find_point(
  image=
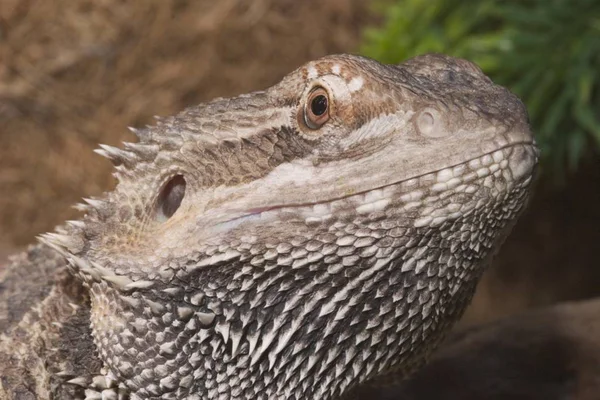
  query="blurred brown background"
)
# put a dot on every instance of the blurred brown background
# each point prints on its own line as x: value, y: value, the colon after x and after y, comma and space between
x: 75, y: 73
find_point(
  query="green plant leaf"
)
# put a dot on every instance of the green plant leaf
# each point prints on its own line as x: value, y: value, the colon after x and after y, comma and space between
x: 546, y: 51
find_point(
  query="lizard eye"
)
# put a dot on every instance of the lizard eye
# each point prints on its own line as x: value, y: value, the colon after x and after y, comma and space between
x: 316, y: 109
x: 170, y: 198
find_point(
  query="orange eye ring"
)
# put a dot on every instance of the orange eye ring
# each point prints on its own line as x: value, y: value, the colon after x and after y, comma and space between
x: 316, y: 108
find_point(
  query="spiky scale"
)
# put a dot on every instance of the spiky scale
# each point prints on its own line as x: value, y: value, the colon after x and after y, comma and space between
x: 76, y: 224
x: 133, y: 302
x: 141, y: 284
x: 82, y: 207
x: 144, y: 152
x: 205, y: 318
x: 70, y: 242
x: 270, y: 193
x: 95, y: 203
x: 79, y: 381
x: 118, y: 280
x: 142, y: 134
x: 117, y: 155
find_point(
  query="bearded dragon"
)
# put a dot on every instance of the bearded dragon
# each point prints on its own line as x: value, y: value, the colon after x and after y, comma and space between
x: 292, y: 243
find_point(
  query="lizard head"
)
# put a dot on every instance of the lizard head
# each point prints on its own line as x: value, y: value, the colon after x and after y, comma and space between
x: 302, y: 239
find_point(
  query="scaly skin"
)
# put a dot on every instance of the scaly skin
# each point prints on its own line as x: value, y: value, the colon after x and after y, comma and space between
x: 44, y: 317
x: 299, y: 242
x: 550, y: 353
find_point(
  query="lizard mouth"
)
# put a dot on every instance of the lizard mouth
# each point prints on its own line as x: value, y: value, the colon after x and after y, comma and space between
x: 519, y: 158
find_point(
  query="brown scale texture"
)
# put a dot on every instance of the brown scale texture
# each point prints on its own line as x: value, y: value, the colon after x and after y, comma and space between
x: 62, y: 343
x: 75, y: 73
x: 279, y: 296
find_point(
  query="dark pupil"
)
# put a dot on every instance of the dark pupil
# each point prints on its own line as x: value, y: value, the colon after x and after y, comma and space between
x: 318, y: 106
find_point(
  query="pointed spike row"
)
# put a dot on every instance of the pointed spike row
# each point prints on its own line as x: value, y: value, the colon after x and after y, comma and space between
x: 79, y: 262
x: 70, y: 242
x: 84, y: 268
x: 95, y: 203
x: 61, y: 230
x: 102, y: 270
x: 82, y: 207
x: 50, y: 241
x: 76, y: 224
x: 142, y: 134
x: 62, y: 239
x: 103, y: 153
x: 140, y: 147
x: 116, y: 154
x: 146, y: 152
x: 122, y: 172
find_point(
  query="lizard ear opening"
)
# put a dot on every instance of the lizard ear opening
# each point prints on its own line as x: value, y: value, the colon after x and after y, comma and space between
x: 170, y: 198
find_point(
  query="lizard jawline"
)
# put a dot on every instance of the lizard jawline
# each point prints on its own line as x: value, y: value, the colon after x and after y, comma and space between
x: 378, y: 198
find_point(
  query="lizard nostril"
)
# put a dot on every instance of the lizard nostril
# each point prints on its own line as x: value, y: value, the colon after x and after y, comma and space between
x: 170, y: 198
